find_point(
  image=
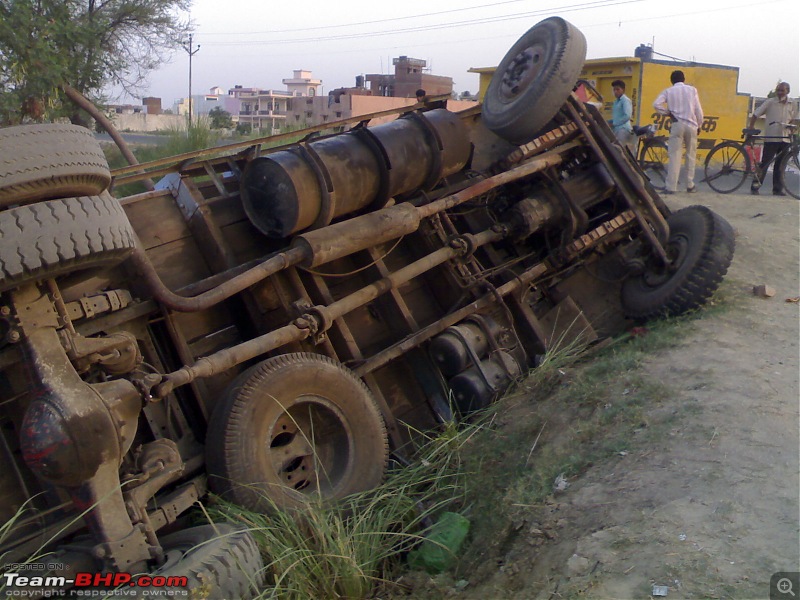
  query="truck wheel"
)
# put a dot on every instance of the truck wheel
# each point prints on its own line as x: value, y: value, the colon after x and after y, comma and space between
x: 221, y: 561
x: 701, y: 245
x: 293, y: 427
x: 534, y: 79
x: 43, y: 161
x: 56, y: 237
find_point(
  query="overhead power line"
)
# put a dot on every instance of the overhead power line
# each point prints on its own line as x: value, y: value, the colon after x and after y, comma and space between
x: 387, y: 20
x: 419, y: 28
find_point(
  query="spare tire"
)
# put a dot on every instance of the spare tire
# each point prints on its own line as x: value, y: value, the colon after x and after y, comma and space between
x: 534, y: 79
x: 62, y: 236
x: 48, y: 160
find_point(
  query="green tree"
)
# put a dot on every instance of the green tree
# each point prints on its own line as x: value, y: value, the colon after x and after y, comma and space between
x: 87, y: 44
x: 220, y: 119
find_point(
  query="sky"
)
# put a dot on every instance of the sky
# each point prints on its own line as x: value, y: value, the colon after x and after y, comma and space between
x: 257, y: 43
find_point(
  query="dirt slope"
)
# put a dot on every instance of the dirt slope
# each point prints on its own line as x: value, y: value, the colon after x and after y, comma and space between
x: 711, y: 508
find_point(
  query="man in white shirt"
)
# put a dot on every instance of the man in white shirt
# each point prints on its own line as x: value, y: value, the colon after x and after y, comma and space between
x: 778, y: 112
x: 682, y: 104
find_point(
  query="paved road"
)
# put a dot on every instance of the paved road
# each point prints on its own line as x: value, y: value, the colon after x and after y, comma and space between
x: 142, y: 139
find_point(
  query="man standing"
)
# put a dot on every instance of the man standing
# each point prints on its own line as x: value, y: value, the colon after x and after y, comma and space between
x: 778, y: 112
x: 621, y: 112
x: 682, y: 104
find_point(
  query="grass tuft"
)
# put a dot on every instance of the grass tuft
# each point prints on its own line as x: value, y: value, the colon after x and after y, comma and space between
x: 347, y: 549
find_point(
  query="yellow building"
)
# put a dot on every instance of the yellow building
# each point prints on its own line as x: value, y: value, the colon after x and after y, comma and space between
x: 726, y: 110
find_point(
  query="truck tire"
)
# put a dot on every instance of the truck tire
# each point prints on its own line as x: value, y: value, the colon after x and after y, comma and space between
x: 44, y: 161
x: 534, y: 79
x: 220, y: 561
x: 57, y: 237
x: 293, y: 427
x: 701, y: 246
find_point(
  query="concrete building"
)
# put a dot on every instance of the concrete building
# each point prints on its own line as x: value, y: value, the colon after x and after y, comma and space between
x: 302, y: 84
x: 262, y: 110
x: 409, y: 76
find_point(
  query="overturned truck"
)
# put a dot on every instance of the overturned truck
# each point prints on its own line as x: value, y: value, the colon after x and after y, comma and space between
x: 270, y: 324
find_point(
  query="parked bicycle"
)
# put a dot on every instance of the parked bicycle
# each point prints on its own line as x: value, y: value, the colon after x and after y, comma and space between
x: 731, y: 161
x: 652, y: 155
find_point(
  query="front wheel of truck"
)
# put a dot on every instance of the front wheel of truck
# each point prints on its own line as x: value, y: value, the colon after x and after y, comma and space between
x: 700, y: 248
x: 217, y: 562
x: 293, y: 428
x: 48, y: 239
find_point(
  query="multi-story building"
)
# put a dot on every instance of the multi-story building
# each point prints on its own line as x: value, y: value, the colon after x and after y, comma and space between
x: 262, y: 110
x: 302, y: 84
x: 409, y: 76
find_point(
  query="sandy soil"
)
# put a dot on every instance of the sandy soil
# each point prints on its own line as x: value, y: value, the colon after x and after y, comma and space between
x: 710, y: 510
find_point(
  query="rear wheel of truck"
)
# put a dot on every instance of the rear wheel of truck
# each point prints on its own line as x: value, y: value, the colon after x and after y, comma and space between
x: 534, y: 79
x: 700, y: 247
x: 48, y: 160
x: 220, y: 561
x: 57, y: 237
x: 292, y: 428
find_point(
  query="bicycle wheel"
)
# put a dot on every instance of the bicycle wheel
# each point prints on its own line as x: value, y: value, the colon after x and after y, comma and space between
x: 790, y: 165
x: 727, y: 166
x: 653, y: 160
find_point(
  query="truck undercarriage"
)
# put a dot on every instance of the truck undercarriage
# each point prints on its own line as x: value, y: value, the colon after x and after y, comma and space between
x: 273, y: 324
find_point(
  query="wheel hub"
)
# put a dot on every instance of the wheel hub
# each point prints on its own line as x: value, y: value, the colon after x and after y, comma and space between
x: 676, y: 251
x: 521, y: 71
x: 309, y: 446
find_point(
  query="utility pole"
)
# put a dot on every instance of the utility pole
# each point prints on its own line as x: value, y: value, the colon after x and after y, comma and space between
x: 191, y: 51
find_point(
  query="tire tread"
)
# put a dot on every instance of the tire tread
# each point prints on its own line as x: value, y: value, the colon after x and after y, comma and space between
x: 57, y: 236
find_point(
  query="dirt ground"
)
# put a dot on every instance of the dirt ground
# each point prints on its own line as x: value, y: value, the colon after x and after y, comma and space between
x: 710, y: 510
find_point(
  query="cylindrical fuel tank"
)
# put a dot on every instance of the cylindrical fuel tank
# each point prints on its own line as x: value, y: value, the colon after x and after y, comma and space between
x: 312, y: 183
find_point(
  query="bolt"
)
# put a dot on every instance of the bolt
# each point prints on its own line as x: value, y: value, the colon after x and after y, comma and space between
x: 5, y: 311
x: 13, y: 336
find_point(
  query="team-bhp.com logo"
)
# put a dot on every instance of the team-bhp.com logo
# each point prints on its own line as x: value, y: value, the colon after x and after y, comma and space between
x: 86, y: 584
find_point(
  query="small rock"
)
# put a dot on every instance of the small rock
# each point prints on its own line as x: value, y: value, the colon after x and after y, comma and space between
x: 561, y: 483
x: 660, y: 590
x: 577, y: 565
x: 763, y: 291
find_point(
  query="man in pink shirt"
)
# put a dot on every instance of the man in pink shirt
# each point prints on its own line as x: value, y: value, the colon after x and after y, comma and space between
x: 682, y: 104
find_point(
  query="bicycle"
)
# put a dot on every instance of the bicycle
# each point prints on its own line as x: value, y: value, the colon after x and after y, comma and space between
x: 652, y: 155
x: 731, y: 161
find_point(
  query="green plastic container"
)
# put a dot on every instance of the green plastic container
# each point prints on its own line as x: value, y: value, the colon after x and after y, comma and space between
x: 439, y: 551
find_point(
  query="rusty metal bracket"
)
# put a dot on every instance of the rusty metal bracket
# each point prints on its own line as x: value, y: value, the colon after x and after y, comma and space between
x: 116, y: 353
x: 436, y: 146
x: 371, y: 141
x: 36, y: 314
x: 186, y: 202
x: 327, y: 193
x: 91, y: 306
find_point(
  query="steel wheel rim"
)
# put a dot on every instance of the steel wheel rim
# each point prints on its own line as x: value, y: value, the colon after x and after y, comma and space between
x: 523, y: 69
x: 310, y: 446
